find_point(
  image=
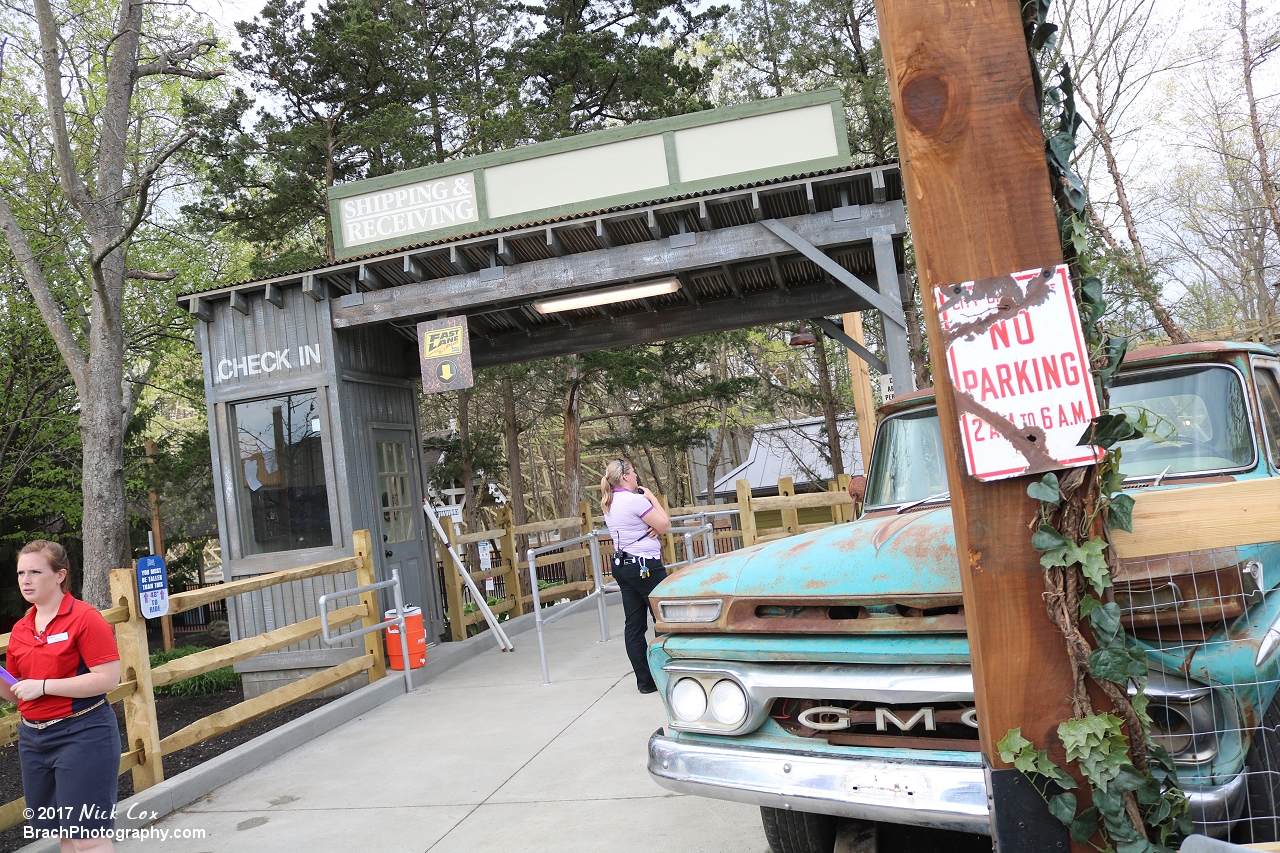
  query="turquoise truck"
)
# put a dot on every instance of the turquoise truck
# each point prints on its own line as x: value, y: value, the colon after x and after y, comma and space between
x: 825, y: 677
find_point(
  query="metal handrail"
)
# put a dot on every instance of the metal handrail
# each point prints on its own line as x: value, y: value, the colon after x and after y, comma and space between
x: 394, y: 583
x: 597, y: 593
x: 708, y: 542
x: 504, y: 642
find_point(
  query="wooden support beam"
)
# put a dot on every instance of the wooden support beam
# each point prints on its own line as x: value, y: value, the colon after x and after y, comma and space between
x: 732, y: 278
x: 778, y: 278
x: 891, y: 309
x: 274, y: 294
x: 809, y: 201
x: 603, y: 235
x: 877, y: 186
x: 864, y: 400
x: 239, y: 301
x: 198, y: 307
x: 969, y: 132
x: 460, y: 261
x: 313, y: 287
x: 757, y: 212
x: 554, y: 246
x: 413, y: 269
x: 704, y: 216
x: 655, y: 228
x: 790, y: 517
x: 505, y: 253
x: 463, y: 294
x: 687, y: 288
x: 369, y: 279
x: 850, y: 344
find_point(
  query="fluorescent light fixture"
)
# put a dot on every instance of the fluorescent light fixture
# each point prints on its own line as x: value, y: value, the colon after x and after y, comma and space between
x: 606, y: 297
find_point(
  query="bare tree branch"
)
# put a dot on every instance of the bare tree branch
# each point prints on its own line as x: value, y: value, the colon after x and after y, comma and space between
x: 50, y: 62
x: 167, y: 275
x: 171, y: 62
x: 74, y: 357
x: 140, y: 211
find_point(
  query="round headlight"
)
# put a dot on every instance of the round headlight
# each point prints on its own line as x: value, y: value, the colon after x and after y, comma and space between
x: 728, y: 702
x: 1170, y: 728
x: 688, y: 700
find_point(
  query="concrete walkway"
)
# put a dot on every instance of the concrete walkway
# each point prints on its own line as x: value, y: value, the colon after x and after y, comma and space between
x: 483, y: 758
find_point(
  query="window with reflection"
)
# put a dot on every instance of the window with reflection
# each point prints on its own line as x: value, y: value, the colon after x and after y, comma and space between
x: 284, y: 500
x: 907, y: 463
x: 1200, y: 420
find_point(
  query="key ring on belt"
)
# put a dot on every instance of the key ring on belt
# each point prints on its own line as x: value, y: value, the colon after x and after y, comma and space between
x: 44, y: 724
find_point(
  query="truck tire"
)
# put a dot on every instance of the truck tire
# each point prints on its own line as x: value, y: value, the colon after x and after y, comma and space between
x: 790, y: 831
x: 1262, y: 764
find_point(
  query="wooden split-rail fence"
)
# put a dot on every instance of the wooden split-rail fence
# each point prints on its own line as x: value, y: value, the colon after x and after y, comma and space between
x: 143, y: 745
x: 769, y: 518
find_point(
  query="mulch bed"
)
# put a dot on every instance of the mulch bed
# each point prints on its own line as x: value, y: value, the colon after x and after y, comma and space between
x: 173, y: 713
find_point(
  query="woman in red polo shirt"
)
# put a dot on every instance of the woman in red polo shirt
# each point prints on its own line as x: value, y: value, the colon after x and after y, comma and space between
x: 63, y: 655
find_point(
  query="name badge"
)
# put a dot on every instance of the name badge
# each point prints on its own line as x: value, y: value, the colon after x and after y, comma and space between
x: 56, y: 638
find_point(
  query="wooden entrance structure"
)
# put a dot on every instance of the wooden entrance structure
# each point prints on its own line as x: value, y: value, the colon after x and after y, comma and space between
x: 750, y: 215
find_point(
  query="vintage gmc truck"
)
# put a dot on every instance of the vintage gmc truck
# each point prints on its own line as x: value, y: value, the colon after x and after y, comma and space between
x: 826, y: 676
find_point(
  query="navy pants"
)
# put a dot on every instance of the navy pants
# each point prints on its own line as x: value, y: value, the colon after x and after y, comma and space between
x: 69, y: 773
x: 635, y: 606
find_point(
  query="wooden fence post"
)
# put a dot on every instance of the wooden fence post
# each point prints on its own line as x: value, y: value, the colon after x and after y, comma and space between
x: 453, y: 582
x: 367, y: 574
x: 864, y: 401
x: 669, y: 539
x: 510, y: 560
x: 746, y: 515
x: 140, y: 723
x: 790, y: 517
x: 840, y: 513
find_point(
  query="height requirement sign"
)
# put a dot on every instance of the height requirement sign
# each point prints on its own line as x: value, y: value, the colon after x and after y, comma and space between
x: 444, y: 349
x: 1017, y: 359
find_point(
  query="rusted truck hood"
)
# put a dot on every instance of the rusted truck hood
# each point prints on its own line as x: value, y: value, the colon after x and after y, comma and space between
x: 904, y: 557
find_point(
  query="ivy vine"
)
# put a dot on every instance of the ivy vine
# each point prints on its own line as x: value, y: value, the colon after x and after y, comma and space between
x: 1137, y: 805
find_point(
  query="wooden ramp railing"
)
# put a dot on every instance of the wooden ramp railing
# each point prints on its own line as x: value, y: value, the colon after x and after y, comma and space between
x: 144, y: 747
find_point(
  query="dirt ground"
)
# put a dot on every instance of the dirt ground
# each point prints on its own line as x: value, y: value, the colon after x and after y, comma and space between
x: 173, y: 713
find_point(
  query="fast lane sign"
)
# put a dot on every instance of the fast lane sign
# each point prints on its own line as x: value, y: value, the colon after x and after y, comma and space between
x: 444, y: 350
x: 1017, y: 359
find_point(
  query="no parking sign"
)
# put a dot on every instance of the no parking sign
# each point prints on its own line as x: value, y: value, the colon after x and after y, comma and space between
x: 153, y: 587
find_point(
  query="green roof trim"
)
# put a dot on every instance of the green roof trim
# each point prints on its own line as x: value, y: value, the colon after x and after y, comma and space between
x: 414, y: 206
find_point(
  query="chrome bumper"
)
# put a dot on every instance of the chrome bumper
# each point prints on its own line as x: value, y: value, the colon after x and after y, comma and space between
x: 945, y: 796
x: 1214, y: 810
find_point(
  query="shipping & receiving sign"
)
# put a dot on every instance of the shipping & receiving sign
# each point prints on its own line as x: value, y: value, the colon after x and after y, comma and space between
x: 1016, y: 356
x: 444, y: 349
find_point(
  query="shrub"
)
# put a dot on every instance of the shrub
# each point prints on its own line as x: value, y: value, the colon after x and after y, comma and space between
x: 210, y: 682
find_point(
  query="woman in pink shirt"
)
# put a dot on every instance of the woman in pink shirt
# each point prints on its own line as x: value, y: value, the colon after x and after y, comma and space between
x: 635, y: 520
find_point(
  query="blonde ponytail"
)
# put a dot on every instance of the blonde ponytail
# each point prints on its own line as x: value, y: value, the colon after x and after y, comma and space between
x: 612, y: 479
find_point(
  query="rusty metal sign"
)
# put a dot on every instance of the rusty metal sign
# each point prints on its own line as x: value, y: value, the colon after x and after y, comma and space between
x: 1017, y: 359
x: 444, y: 349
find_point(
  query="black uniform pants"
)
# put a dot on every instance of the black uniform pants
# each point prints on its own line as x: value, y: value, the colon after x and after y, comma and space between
x: 635, y: 606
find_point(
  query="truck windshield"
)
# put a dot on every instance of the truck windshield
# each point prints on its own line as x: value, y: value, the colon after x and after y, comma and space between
x: 1200, y: 417
x: 906, y: 464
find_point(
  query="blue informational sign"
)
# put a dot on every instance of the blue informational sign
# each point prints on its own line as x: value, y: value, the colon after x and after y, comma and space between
x: 153, y: 587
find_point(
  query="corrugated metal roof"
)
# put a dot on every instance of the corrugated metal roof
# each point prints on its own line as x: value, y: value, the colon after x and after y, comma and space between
x: 795, y: 449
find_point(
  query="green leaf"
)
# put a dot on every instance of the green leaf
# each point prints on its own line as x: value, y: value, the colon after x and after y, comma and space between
x: 1012, y: 744
x: 1091, y: 289
x: 1087, y: 605
x: 1094, y: 564
x: 1063, y: 807
x: 1128, y: 779
x: 1047, y: 539
x: 1120, y: 513
x: 1105, y: 619
x: 1118, y: 665
x: 1107, y: 429
x: 1083, y: 827
x: 1137, y: 845
x: 1046, y: 489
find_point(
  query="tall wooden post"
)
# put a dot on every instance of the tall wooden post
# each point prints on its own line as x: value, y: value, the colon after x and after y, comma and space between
x: 746, y: 515
x: 668, y: 540
x: 453, y: 582
x: 978, y: 194
x: 790, y: 517
x: 366, y: 574
x: 140, y: 725
x: 510, y: 559
x: 864, y: 401
x: 157, y: 540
